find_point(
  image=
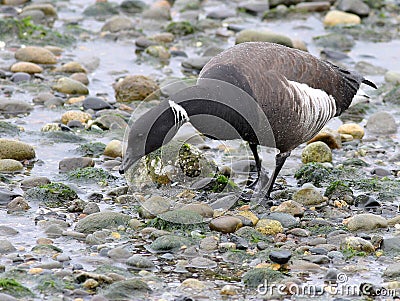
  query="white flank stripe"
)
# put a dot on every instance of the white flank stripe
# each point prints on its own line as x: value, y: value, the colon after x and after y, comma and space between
x: 316, y: 107
x: 180, y: 114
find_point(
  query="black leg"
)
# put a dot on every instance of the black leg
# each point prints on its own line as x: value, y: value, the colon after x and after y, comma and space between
x: 279, y: 161
x: 253, y: 148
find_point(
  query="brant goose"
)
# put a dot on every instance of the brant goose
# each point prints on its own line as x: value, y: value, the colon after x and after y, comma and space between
x: 264, y: 93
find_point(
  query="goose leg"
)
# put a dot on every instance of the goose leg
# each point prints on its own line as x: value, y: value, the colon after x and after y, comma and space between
x: 279, y: 161
x: 253, y: 148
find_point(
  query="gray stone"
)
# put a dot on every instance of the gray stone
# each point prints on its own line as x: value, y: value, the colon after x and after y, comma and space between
x: 110, y: 121
x: 69, y: 164
x: 101, y: 220
x: 196, y: 63
x: 70, y: 86
x: 95, y: 103
x: 34, y: 181
x: 261, y: 35
x: 169, y: 243
x: 287, y: 220
x: 154, y: 206
x: 391, y: 245
x: 335, y: 41
x: 357, y: 7
x: 6, y: 247
x: 19, y: 77
x: 5, y: 297
x: 119, y: 253
x: 366, y: 221
x: 254, y: 7
x: 7, y: 231
x: 140, y: 262
x: 381, y: 123
x: 318, y: 259
x: 11, y: 106
x: 280, y: 256
x: 202, y: 263
x: 358, y: 243
x: 131, y: 289
x: 90, y: 208
x: 392, y: 271
x: 118, y: 23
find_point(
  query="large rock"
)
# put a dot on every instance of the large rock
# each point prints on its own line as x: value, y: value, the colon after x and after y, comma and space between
x: 269, y: 226
x: 226, y: 224
x: 260, y: 35
x: 101, y: 220
x: 113, y: 149
x: 38, y: 55
x: 12, y: 149
x: 336, y: 17
x: 352, y: 129
x: 134, y: 87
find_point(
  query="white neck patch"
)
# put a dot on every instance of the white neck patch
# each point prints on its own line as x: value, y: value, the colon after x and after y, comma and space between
x: 180, y: 114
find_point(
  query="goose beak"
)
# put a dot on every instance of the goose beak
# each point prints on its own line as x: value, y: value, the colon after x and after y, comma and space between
x: 126, y: 164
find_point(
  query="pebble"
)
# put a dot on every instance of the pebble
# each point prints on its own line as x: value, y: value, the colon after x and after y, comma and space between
x: 101, y: 220
x: 329, y: 137
x: 18, y: 204
x: 352, y: 129
x: 6, y: 247
x: 280, y: 256
x: 158, y: 51
x: 203, y: 209
x: 316, y: 152
x: 169, y: 243
x: 119, y: 253
x: 154, y: 206
x: 381, y: 123
x: 75, y: 115
x: 80, y: 77
x: 259, y: 35
x: 317, y: 6
x: 229, y: 290
x: 47, y: 9
x: 336, y: 17
x: 392, y: 271
x: 134, y: 87
x: 196, y: 63
x: 113, y: 149
x: 392, y: 77
x: 269, y: 227
x: 291, y: 207
x: 117, y: 24
x: 95, y: 103
x: 210, y: 243
x: 287, y: 220
x: 90, y: 208
x: 308, y: 195
x: 358, y: 243
x: 17, y: 150
x: 69, y: 164
x: 70, y: 86
x: 34, y: 181
x: 357, y: 7
x: 6, y: 297
x: 140, y: 262
x: 110, y: 122
x: 20, y: 77
x: 37, y: 55
x: 202, y: 263
x: 226, y: 224
x: 12, y: 106
x: 318, y: 259
x: 10, y: 165
x: 26, y: 67
x: 366, y: 221
x: 71, y: 67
